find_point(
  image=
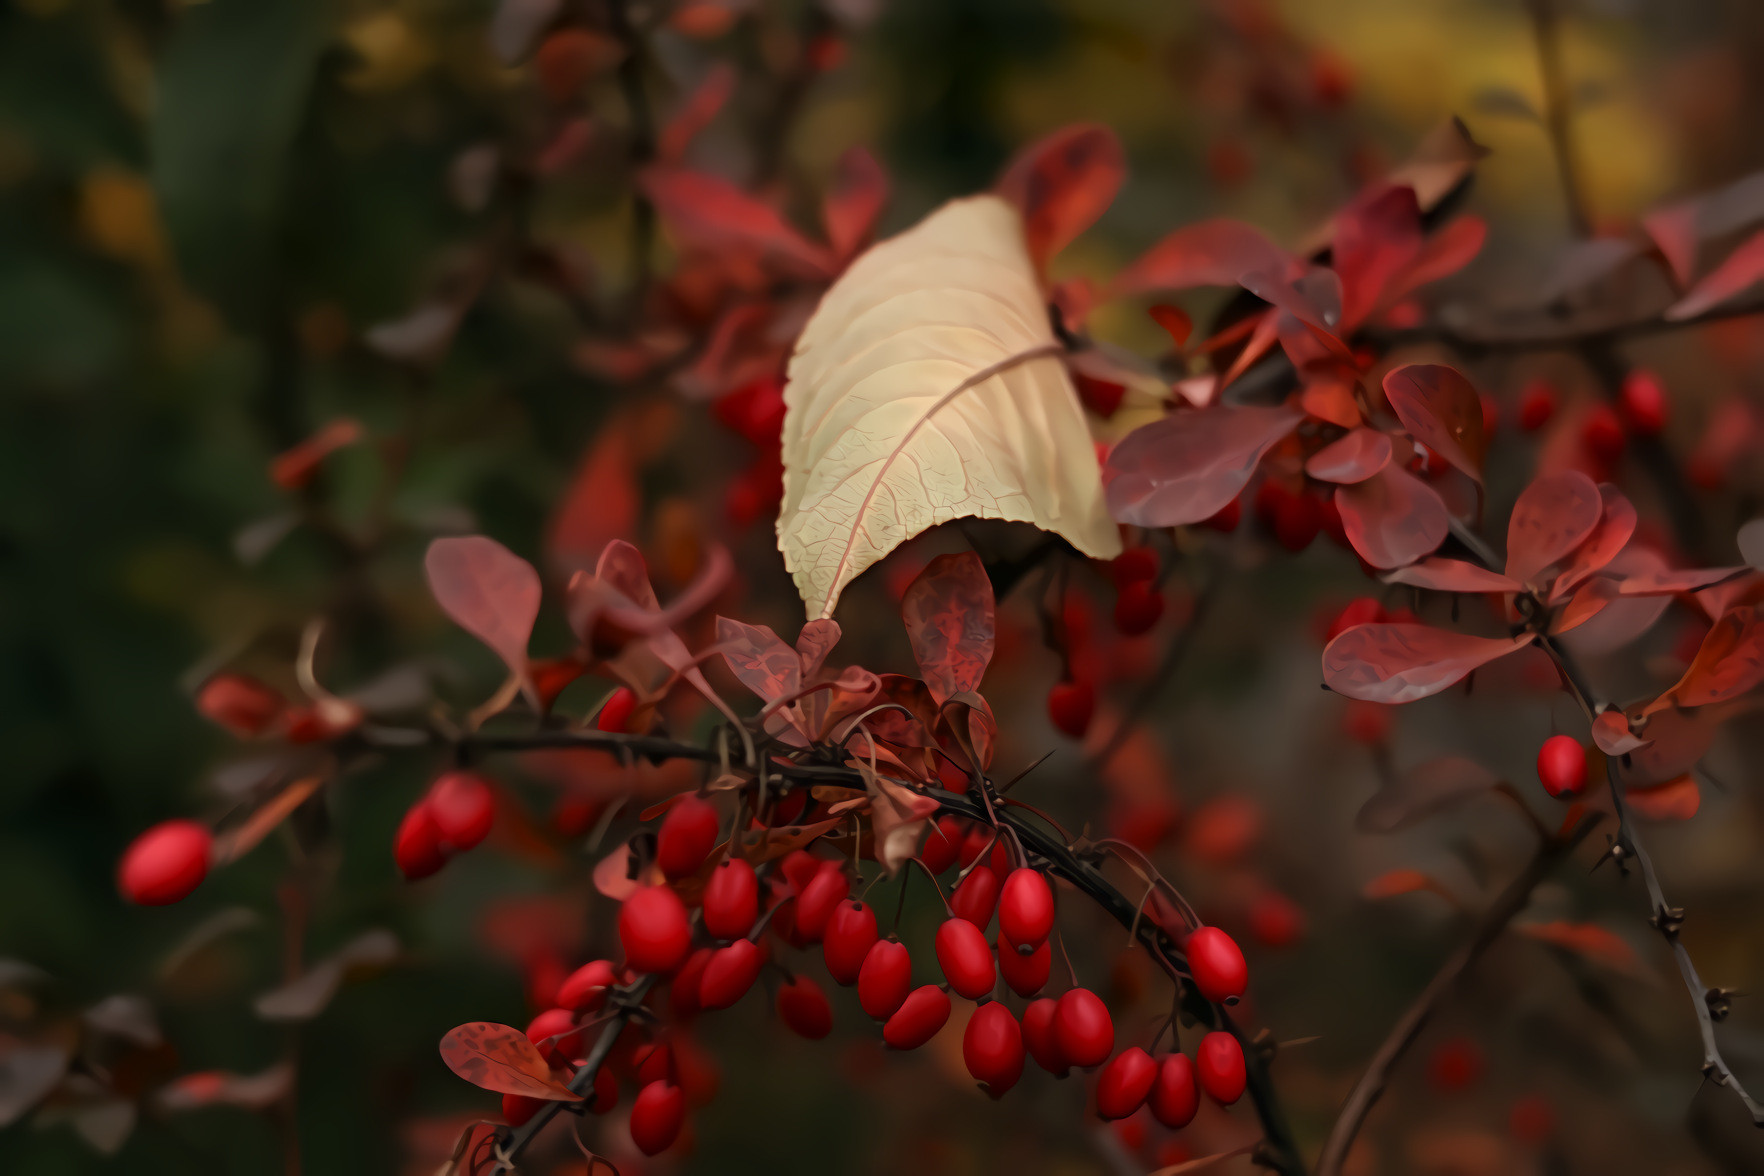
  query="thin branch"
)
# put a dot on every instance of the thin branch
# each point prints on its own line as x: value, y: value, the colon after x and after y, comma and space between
x: 1559, y: 111
x: 642, y: 118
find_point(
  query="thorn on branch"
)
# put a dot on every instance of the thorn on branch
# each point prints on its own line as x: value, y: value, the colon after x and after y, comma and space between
x: 1720, y: 1002
x: 1667, y: 920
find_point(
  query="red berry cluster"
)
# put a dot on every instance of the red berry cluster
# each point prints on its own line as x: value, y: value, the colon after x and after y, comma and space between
x: 452, y: 817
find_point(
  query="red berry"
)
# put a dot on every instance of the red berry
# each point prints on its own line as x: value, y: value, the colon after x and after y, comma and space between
x: 463, y: 807
x: 977, y: 896
x: 1217, y: 964
x: 606, y: 1091
x: 731, y: 899
x: 239, y: 703
x: 799, y: 868
x: 1455, y: 1064
x: 1134, y: 565
x: 1042, y: 1039
x: 920, y: 1016
x: 573, y: 816
x: 1174, y: 1096
x: 1537, y: 404
x: 1293, y: 519
x: 165, y: 863
x: 653, y: 930
x: 804, y: 1008
x: 884, y: 978
x: 1026, y: 974
x: 1561, y: 766
x: 554, y: 1032
x: 1363, y: 610
x: 615, y: 714
x: 1070, y: 706
x: 1124, y: 1083
x: 851, y: 933
x: 1138, y: 606
x: 1491, y: 414
x: 655, y: 1063
x: 819, y: 899
x: 683, y: 991
x: 1228, y: 517
x: 1275, y: 920
x: 1084, y: 1029
x: 585, y: 989
x: 965, y: 957
x: 942, y: 844
x: 656, y: 1117
x: 992, y: 1048
x: 729, y: 973
x: 518, y: 1108
x: 1643, y: 402
x: 1602, y: 434
x: 978, y: 841
x: 1366, y: 722
x: 687, y: 835
x: 1532, y: 1120
x: 1219, y: 1063
x: 417, y: 845
x: 1026, y: 908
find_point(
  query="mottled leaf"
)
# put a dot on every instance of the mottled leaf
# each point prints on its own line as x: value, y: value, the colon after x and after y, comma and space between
x: 1395, y: 663
x: 1441, y: 410
x: 1189, y: 465
x: 500, y: 1058
x: 759, y: 659
x: 1353, y: 458
x: 898, y: 818
x: 1552, y: 517
x: 1062, y: 183
x: 1617, y: 520
x: 1393, y: 518
x: 948, y: 612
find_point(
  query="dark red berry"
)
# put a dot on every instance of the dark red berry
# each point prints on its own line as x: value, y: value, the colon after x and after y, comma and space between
x: 884, y: 978
x: 1217, y: 964
x: 804, y: 1008
x: 978, y: 841
x: 606, y: 1091
x: 1083, y: 1028
x: 655, y: 1063
x: 239, y: 703
x: 1455, y: 1064
x: 165, y: 863
x: 1219, y: 1064
x: 992, y: 1048
x: 920, y: 1016
x: 417, y: 845
x: 1138, y: 606
x: 1026, y: 974
x: 729, y: 973
x: 731, y: 899
x: 585, y: 989
x: 683, y: 990
x: 1537, y: 404
x: 965, y: 957
x: 1026, y: 908
x: 687, y: 835
x: 554, y: 1032
x: 1643, y: 402
x: 977, y: 896
x: 1125, y: 1083
x: 656, y: 1117
x: 799, y: 868
x: 518, y: 1108
x: 463, y: 807
x: 654, y: 931
x: 1134, y: 565
x: 1042, y: 1039
x: 615, y: 715
x: 1561, y: 766
x: 942, y: 844
x: 850, y: 935
x: 1175, y: 1096
x: 819, y: 899
x: 1603, y: 434
x: 1070, y: 706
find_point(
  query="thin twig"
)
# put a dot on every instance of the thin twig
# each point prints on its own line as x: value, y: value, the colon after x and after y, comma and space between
x: 1559, y: 111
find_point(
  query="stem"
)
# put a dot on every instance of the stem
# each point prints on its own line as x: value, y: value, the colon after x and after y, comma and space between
x: 642, y: 147
x: 1559, y: 111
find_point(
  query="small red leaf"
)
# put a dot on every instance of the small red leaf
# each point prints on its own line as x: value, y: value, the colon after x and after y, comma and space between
x: 1553, y: 516
x: 948, y: 613
x: 1451, y: 575
x: 1377, y: 237
x: 1395, y: 882
x: 1395, y: 663
x: 1590, y: 940
x: 1743, y: 269
x: 1442, y: 255
x: 696, y: 113
x: 711, y: 213
x: 1677, y: 799
x: 1729, y: 662
x: 1611, y: 732
x: 1188, y: 466
x: 1353, y: 458
x: 1393, y: 518
x: 488, y: 591
x: 1207, y: 253
x: 853, y: 202
x: 1616, y: 526
x: 1062, y: 183
x: 600, y: 505
x: 500, y: 1058
x: 1441, y: 410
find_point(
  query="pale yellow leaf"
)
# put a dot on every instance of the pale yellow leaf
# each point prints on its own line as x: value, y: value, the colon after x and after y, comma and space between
x: 928, y: 386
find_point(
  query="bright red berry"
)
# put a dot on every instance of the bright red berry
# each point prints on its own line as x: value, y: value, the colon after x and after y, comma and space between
x: 1175, y: 1096
x: 165, y: 863
x: 1084, y: 1029
x: 1537, y: 404
x: 554, y: 1032
x: 687, y: 835
x: 656, y: 1117
x: 804, y: 1008
x: 654, y: 931
x: 1070, y: 706
x: 1643, y: 402
x: 729, y: 973
x: 1026, y: 908
x: 1026, y: 974
x: 518, y: 1108
x: 1138, y: 606
x: 585, y: 989
x: 850, y: 935
x: 1216, y: 963
x: 615, y: 714
x: 417, y: 845
x: 1134, y: 565
x: 992, y: 1048
x: 239, y: 703
x: 799, y: 868
x: 884, y: 978
x: 1603, y: 434
x: 1561, y: 766
x: 1042, y: 1039
x: 464, y: 808
x: 920, y: 1016
x: 819, y: 899
x: 731, y: 899
x: 1219, y: 1064
x: 977, y: 896
x: 965, y: 957
x: 942, y: 844
x: 1125, y: 1083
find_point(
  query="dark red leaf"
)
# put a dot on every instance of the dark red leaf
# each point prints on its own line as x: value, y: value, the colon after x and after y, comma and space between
x: 1394, y: 663
x: 1062, y: 183
x: 711, y: 213
x: 1207, y: 253
x: 488, y: 591
x: 500, y: 1058
x: 1442, y: 255
x: 1377, y: 237
x: 27, y: 1074
x: 1677, y: 739
x: 853, y: 202
x: 1680, y: 229
x: 1616, y: 525
x: 1553, y: 516
x: 1668, y: 582
x: 948, y: 613
x: 1729, y: 663
x: 1188, y: 466
x: 1452, y: 575
x: 1393, y: 518
x: 306, y: 996
x: 601, y: 504
x: 1353, y: 458
x: 1612, y: 620
x: 696, y: 113
x: 1441, y: 410
x: 1423, y: 790
x: 1589, y: 601
x: 1743, y: 269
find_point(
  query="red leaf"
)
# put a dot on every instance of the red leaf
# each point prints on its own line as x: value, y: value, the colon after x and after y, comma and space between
x: 1553, y: 516
x: 1674, y: 230
x: 1452, y: 575
x: 1611, y: 732
x: 1612, y: 620
x: 294, y: 468
x: 1676, y: 800
x: 1590, y: 940
x: 695, y: 114
x: 711, y: 213
x: 1743, y: 269
x: 1729, y: 662
x: 1616, y: 525
x: 1377, y: 237
x: 1394, y: 663
x: 1353, y: 458
x: 1441, y: 410
x: 1188, y: 466
x: 1680, y: 229
x: 208, y: 1088
x: 853, y: 202
x: 600, y: 505
x: 1588, y: 602
x: 1392, y: 519
x: 1442, y: 255
x: 948, y: 613
x: 500, y: 1058
x: 1331, y: 400
x: 759, y: 659
x: 1207, y: 253
x: 814, y: 643
x: 1421, y: 791
x: 1392, y: 883
x: 488, y: 591
x: 1666, y: 582
x: 1062, y: 183
x: 1677, y: 739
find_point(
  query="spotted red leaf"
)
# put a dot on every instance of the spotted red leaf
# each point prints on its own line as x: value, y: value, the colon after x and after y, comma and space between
x: 948, y: 613
x: 1743, y: 269
x: 1441, y: 410
x: 759, y: 659
x: 1395, y: 663
x: 1206, y: 253
x: 500, y: 1058
x: 710, y: 213
x: 1451, y: 575
x: 1062, y: 183
x: 1393, y: 518
x: 488, y: 591
x: 1553, y: 516
x: 1188, y: 466
x: 853, y: 202
x: 1729, y: 662
x: 1377, y: 237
